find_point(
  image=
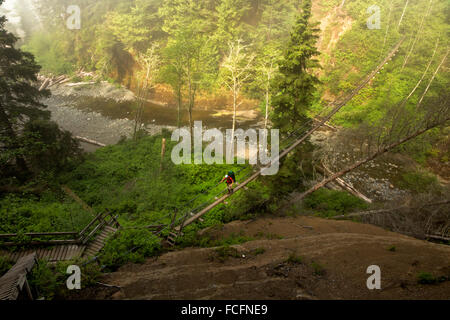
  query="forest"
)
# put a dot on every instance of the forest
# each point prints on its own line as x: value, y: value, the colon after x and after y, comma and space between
x: 296, y: 62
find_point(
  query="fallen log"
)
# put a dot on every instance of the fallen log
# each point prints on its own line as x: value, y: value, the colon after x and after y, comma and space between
x: 44, y: 84
x: 344, y: 185
x: 368, y: 159
x: 80, y: 84
x: 95, y: 143
x: 436, y: 237
x: 58, y: 80
x: 369, y: 212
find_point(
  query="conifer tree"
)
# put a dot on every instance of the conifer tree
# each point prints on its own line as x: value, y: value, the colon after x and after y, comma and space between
x: 295, y: 85
x: 19, y: 99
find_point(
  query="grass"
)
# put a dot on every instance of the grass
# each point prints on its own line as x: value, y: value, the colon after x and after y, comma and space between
x: 318, y: 269
x: 269, y: 236
x: 429, y: 278
x: 223, y: 253
x: 206, y: 241
x: 392, y: 248
x: 328, y: 203
x: 259, y: 251
x: 419, y: 181
x: 294, y: 258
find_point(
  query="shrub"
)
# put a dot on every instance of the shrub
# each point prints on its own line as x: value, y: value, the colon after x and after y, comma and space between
x: 258, y: 251
x: 293, y: 258
x: 5, y: 265
x: 328, y: 203
x: 419, y: 181
x: 225, y: 252
x: 132, y: 245
x: 318, y: 269
x: 44, y: 281
x: 392, y: 248
x: 426, y: 278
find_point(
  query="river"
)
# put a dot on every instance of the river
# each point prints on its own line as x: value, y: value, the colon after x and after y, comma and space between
x: 105, y: 113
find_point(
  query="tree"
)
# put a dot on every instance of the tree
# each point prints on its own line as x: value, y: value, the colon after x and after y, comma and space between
x: 230, y: 24
x: 406, y: 129
x: 191, y: 54
x: 276, y: 20
x: 136, y: 28
x: 295, y: 85
x: 236, y: 69
x: 150, y: 63
x: 267, y: 68
x: 19, y: 99
x: 29, y: 142
x: 172, y: 73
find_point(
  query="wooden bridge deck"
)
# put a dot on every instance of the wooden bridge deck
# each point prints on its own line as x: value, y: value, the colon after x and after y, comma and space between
x: 15, y: 279
x: 65, y: 252
x: 53, y: 254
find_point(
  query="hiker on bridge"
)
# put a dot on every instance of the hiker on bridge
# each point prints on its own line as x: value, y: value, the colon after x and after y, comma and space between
x: 230, y: 179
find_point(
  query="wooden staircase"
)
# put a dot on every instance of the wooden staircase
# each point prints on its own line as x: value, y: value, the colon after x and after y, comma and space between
x: 99, y: 241
x: 87, y: 244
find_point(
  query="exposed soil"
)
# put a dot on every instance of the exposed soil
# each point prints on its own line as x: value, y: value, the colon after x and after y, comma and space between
x: 334, y: 259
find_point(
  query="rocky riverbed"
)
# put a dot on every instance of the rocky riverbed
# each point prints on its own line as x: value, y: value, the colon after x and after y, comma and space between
x: 69, y: 109
x: 378, y: 179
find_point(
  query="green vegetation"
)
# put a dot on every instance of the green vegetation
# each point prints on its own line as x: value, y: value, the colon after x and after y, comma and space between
x: 5, y: 265
x: 224, y: 253
x: 419, y: 181
x: 429, y: 278
x: 192, y: 239
x: 191, y: 39
x: 49, y: 281
x: 295, y: 85
x: 319, y: 270
x: 129, y: 246
x: 392, y: 248
x: 258, y: 251
x: 124, y: 179
x: 294, y: 258
x: 329, y: 203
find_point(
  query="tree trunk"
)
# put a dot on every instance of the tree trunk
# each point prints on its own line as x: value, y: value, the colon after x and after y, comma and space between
x: 234, y: 112
x: 179, y: 102
x: 403, y: 13
x: 387, y: 26
x: 432, y: 78
x: 423, y: 75
x: 191, y: 105
x: 267, y: 100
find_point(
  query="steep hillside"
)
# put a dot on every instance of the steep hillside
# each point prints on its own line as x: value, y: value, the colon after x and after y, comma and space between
x: 290, y: 258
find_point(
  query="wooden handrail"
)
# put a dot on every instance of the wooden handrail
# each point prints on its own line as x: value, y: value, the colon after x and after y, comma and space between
x: 100, y: 225
x: 98, y: 217
x: 48, y: 242
x: 39, y: 234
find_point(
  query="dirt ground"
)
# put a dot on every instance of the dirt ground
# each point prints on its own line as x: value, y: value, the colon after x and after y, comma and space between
x: 330, y: 262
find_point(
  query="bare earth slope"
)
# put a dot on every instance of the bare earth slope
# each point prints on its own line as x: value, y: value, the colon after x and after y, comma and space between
x: 334, y: 258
